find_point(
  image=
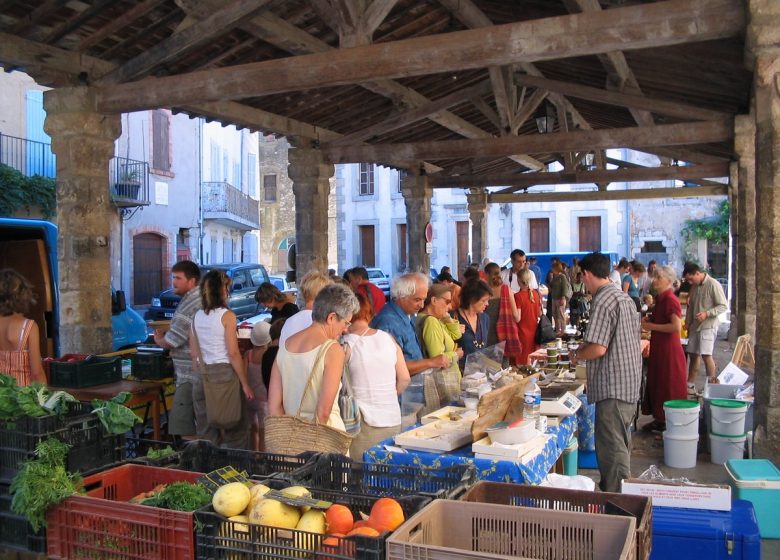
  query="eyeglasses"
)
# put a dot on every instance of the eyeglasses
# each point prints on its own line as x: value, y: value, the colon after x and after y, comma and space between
x: 447, y: 301
x: 347, y: 324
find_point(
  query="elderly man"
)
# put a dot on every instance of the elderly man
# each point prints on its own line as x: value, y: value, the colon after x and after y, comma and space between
x: 509, y: 275
x: 397, y: 317
x: 706, y: 301
x: 612, y: 348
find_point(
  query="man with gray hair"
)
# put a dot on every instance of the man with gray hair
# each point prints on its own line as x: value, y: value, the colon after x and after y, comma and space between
x: 408, y: 293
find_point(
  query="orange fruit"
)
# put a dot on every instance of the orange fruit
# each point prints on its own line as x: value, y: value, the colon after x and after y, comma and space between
x: 365, y: 531
x: 386, y: 515
x: 338, y: 519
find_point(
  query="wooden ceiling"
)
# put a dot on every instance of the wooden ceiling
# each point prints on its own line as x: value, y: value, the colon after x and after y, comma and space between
x: 400, y: 82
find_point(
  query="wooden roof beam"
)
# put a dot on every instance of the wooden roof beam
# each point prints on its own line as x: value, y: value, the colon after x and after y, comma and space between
x: 108, y: 29
x: 634, y: 27
x: 603, y: 195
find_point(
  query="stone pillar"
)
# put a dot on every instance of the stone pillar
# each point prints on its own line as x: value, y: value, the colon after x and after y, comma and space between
x: 83, y: 141
x: 763, y: 53
x: 477, y: 202
x: 311, y: 174
x: 744, y: 225
x: 417, y: 198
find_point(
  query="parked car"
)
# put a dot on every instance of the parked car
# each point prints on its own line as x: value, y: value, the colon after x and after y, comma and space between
x: 246, y: 279
x: 380, y: 279
x: 283, y: 285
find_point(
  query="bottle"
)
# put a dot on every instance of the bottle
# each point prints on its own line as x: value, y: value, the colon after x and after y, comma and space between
x: 532, y: 401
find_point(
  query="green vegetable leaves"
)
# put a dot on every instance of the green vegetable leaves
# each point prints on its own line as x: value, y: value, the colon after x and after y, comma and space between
x: 33, y: 400
x: 180, y: 496
x: 116, y: 418
x: 166, y: 451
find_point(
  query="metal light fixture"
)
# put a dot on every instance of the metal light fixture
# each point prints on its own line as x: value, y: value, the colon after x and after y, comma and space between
x: 545, y: 117
x: 588, y: 160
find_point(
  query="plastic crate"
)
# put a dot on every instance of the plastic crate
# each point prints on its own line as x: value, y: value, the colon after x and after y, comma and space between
x: 219, y: 538
x: 64, y: 358
x: 91, y: 446
x: 340, y: 473
x: 103, y: 525
x: 448, y: 529
x: 136, y: 450
x: 151, y: 365
x: 85, y: 373
x: 560, y: 499
x: 203, y: 456
x: 15, y: 531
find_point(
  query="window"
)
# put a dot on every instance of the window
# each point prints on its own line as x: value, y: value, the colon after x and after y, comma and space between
x: 269, y: 188
x: 539, y: 235
x: 241, y: 280
x: 161, y: 156
x: 590, y: 233
x: 227, y: 250
x: 403, y: 259
x: 251, y: 175
x: 366, y: 179
x: 237, y: 176
x: 258, y: 276
x: 214, y: 173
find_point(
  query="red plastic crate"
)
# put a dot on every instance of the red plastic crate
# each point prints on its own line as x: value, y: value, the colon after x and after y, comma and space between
x: 103, y: 525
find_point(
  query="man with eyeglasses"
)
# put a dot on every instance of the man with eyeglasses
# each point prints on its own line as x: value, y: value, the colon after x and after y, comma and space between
x: 408, y: 293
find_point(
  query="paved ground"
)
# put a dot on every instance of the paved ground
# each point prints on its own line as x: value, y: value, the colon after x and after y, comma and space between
x: 648, y: 450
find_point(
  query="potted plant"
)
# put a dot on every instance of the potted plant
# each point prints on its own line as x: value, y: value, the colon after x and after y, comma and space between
x: 128, y: 184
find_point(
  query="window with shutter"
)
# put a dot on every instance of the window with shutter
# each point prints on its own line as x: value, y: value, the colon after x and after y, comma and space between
x: 366, y: 179
x: 269, y: 188
x: 161, y: 156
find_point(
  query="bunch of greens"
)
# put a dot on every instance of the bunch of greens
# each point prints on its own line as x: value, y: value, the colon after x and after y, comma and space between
x: 180, y: 496
x: 166, y: 451
x: 33, y: 400
x: 114, y: 415
x: 43, y: 482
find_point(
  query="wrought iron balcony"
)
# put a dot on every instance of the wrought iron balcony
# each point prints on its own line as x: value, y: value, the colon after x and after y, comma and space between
x: 129, y: 182
x: 28, y: 157
x: 225, y: 204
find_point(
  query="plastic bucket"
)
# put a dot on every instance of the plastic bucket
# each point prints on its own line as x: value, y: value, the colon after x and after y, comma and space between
x: 680, y: 451
x: 724, y: 448
x: 570, y: 457
x: 682, y: 418
x: 728, y: 417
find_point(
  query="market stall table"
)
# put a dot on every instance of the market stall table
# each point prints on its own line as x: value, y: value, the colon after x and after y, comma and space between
x: 148, y: 393
x: 532, y: 472
x: 541, y: 353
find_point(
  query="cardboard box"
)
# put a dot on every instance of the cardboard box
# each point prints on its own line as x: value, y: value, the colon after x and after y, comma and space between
x: 670, y: 494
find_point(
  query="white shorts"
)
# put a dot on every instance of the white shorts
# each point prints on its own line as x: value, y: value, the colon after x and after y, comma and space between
x: 702, y: 342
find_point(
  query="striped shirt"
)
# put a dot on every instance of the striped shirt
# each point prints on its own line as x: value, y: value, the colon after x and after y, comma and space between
x: 614, y: 324
x: 178, y: 336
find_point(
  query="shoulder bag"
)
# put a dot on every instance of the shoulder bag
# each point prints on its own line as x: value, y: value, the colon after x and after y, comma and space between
x: 544, y: 330
x: 348, y: 406
x: 292, y: 435
x: 222, y: 390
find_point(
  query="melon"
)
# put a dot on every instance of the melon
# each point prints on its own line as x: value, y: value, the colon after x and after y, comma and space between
x: 274, y: 514
x: 231, y: 499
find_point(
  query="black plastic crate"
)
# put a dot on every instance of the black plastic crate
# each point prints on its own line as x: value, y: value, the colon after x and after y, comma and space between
x: 85, y: 373
x: 15, y: 531
x: 136, y: 450
x: 151, y: 365
x: 203, y: 456
x: 91, y: 446
x: 219, y: 538
x: 342, y: 474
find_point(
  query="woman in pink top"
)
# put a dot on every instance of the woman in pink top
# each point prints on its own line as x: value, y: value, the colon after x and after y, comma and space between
x: 20, y: 351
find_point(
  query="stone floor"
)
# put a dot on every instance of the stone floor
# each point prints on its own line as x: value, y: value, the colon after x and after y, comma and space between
x: 648, y: 450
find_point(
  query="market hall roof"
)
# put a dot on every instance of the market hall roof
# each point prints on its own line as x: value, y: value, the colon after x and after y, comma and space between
x: 451, y: 86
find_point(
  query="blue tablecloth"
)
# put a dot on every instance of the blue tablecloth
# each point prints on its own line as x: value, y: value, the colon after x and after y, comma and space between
x: 500, y: 471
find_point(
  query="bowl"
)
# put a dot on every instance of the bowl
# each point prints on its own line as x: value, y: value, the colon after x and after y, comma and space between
x: 514, y: 434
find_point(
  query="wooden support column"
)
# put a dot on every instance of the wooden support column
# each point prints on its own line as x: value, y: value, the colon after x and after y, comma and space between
x: 83, y: 141
x: 744, y: 225
x: 477, y: 204
x: 763, y: 44
x: 417, y: 198
x: 311, y: 174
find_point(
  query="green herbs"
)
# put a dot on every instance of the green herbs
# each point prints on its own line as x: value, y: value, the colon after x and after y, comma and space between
x: 33, y: 400
x: 115, y: 416
x: 43, y: 482
x: 166, y: 451
x: 180, y: 496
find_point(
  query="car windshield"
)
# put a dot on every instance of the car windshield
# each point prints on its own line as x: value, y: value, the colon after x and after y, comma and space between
x: 375, y: 274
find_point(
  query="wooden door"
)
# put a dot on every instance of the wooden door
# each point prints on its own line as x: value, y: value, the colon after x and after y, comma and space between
x: 147, y: 267
x: 367, y: 246
x: 462, y: 255
x: 539, y: 235
x: 590, y: 233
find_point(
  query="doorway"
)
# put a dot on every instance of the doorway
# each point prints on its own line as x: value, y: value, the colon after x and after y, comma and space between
x: 590, y: 233
x: 147, y: 267
x: 367, y: 240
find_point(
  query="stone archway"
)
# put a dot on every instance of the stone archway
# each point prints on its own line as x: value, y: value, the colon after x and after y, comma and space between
x: 282, y: 253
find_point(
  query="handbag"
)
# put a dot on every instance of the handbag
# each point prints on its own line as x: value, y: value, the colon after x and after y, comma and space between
x: 544, y: 330
x: 292, y: 435
x: 222, y: 391
x: 348, y: 406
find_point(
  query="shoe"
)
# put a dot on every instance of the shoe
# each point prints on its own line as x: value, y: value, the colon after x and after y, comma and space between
x: 654, y: 427
x: 692, y: 393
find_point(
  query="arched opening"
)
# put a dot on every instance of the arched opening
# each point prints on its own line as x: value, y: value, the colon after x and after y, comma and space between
x: 282, y: 251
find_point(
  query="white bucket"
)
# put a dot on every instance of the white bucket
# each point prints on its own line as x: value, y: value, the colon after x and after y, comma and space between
x: 682, y: 421
x: 724, y: 448
x: 728, y: 417
x: 680, y: 451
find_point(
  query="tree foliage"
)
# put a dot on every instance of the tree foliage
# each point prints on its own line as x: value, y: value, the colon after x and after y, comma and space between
x: 19, y: 192
x: 713, y: 228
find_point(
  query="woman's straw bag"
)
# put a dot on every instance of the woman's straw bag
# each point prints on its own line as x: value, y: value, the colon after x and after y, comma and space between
x: 292, y: 435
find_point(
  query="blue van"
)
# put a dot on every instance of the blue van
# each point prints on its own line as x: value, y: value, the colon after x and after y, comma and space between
x: 30, y: 248
x: 544, y: 260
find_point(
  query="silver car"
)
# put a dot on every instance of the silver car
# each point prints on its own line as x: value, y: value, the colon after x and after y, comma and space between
x: 380, y: 279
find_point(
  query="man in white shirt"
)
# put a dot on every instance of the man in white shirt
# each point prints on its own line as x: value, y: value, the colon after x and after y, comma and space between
x: 509, y: 275
x: 621, y: 268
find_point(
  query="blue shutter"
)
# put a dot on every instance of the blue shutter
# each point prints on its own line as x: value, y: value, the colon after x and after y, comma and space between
x: 40, y: 159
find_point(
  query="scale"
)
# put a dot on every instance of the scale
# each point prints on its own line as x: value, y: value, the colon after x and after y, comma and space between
x: 558, y: 401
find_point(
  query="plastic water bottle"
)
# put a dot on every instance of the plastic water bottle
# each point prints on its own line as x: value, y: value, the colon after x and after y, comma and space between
x: 532, y: 401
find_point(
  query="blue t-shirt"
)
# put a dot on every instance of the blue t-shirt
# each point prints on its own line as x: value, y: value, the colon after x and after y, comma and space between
x: 392, y: 319
x: 633, y: 288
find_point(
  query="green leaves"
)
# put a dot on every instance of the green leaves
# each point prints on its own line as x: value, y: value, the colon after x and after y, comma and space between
x: 20, y: 192
x: 116, y: 418
x: 715, y: 228
x: 33, y: 400
x: 181, y: 496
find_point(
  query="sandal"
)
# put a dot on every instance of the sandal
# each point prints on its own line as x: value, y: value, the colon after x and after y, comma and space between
x: 654, y: 426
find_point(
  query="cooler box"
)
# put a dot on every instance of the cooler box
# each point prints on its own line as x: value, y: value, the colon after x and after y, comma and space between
x: 758, y: 481
x: 710, y: 534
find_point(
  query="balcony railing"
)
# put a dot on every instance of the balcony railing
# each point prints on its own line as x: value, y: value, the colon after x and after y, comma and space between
x: 28, y: 157
x: 129, y: 182
x: 227, y: 205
